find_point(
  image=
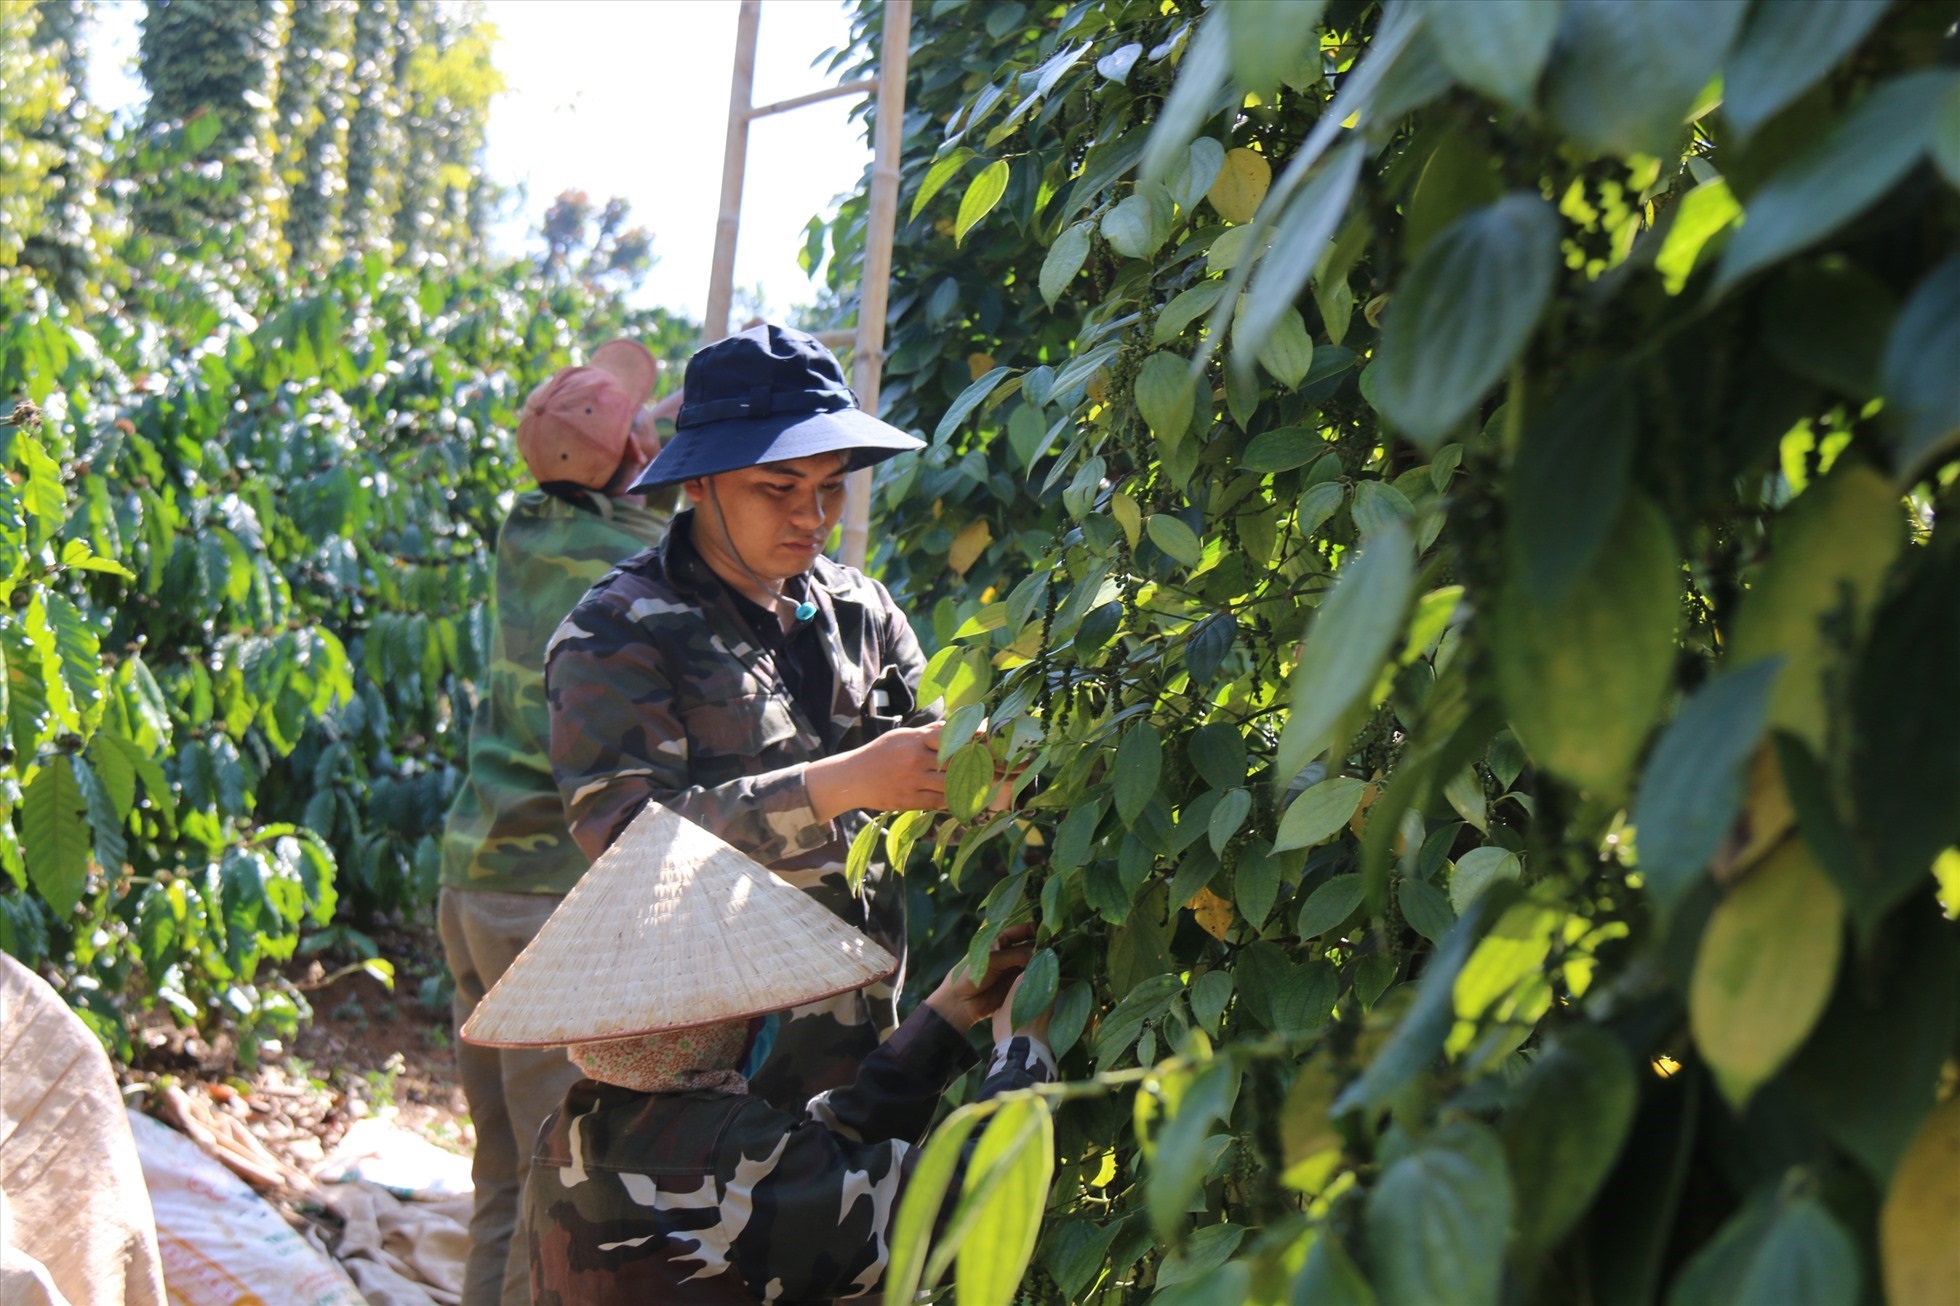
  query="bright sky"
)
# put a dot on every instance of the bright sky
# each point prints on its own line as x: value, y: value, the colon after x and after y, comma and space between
x: 630, y: 98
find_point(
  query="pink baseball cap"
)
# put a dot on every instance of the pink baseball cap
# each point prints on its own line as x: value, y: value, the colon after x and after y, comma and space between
x: 574, y: 427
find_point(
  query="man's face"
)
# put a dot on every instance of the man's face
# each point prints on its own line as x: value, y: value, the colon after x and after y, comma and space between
x: 776, y: 516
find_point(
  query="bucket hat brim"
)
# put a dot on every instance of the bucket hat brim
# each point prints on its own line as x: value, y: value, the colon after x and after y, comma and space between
x: 732, y: 444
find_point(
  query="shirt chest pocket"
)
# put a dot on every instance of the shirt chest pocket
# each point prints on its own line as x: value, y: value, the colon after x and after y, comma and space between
x: 744, y: 726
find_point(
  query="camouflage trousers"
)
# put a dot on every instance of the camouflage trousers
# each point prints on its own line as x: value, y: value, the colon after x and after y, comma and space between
x: 510, y: 1090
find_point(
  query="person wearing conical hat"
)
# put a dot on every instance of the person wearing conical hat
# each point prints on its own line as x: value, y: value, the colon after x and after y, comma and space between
x: 661, y: 1178
x: 585, y: 434
x: 743, y: 679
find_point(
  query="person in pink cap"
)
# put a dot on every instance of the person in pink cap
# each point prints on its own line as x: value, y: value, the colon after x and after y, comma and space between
x: 508, y: 859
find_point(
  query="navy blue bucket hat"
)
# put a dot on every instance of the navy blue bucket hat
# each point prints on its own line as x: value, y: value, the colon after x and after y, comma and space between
x: 768, y: 395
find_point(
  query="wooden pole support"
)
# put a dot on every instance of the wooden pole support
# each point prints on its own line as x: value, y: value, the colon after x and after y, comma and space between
x: 734, y: 163
x: 814, y: 97
x: 874, y: 285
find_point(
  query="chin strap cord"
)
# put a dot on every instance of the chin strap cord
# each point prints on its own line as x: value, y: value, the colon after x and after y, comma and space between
x: 804, y: 611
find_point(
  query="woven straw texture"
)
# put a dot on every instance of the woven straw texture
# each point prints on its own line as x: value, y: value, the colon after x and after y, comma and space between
x: 671, y: 928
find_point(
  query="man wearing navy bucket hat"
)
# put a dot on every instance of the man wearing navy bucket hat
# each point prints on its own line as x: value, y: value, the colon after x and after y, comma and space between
x: 741, y: 678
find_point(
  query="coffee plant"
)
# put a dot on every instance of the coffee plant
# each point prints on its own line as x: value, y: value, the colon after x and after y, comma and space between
x: 243, y: 533
x: 1444, y: 507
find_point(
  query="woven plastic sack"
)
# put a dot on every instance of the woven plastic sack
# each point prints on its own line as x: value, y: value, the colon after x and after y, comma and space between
x: 223, y: 1244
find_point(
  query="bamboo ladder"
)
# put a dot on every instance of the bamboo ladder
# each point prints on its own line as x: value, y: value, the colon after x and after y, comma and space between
x: 874, y: 286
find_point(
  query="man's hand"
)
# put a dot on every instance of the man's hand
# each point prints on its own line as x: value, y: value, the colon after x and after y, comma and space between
x: 896, y: 772
x: 964, y: 1002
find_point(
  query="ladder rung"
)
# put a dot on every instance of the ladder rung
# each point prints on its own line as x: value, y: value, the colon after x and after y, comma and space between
x: 814, y: 97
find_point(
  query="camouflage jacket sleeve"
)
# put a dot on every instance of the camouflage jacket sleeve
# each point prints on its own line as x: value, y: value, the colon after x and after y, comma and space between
x: 618, y: 740
x: 837, y: 1186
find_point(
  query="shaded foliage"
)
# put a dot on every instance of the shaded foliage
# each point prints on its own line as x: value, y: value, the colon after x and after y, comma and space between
x: 1451, y: 517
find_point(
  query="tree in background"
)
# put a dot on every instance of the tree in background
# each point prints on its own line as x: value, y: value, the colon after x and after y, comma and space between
x: 1456, y: 514
x: 34, y: 92
x: 63, y: 243
x: 574, y: 245
x: 214, y: 61
x: 448, y: 80
x: 368, y: 196
x: 314, y: 88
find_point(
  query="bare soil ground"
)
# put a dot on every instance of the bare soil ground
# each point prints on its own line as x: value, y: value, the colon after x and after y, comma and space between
x: 367, y: 1049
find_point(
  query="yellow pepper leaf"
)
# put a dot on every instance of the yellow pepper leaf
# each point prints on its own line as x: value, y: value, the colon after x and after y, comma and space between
x: 968, y: 545
x: 1767, y: 963
x: 1918, y: 1246
x: 1213, y: 913
x: 1241, y: 184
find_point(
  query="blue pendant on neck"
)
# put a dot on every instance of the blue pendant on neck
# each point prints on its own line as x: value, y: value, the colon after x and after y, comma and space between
x: 806, y: 610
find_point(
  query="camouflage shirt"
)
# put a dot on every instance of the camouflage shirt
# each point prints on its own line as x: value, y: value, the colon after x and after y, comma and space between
x: 659, y: 690
x: 506, y: 828
x: 698, y: 1197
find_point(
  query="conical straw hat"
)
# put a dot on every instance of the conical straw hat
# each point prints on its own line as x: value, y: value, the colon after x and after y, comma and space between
x: 671, y: 928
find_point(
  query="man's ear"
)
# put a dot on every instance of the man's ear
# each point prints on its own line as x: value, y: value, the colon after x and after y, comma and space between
x: 696, y: 488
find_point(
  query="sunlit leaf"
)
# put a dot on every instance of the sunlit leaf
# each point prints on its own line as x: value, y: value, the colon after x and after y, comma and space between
x: 982, y: 193
x: 858, y: 861
x: 943, y: 169
x: 1007, y: 1182
x: 918, y: 1206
